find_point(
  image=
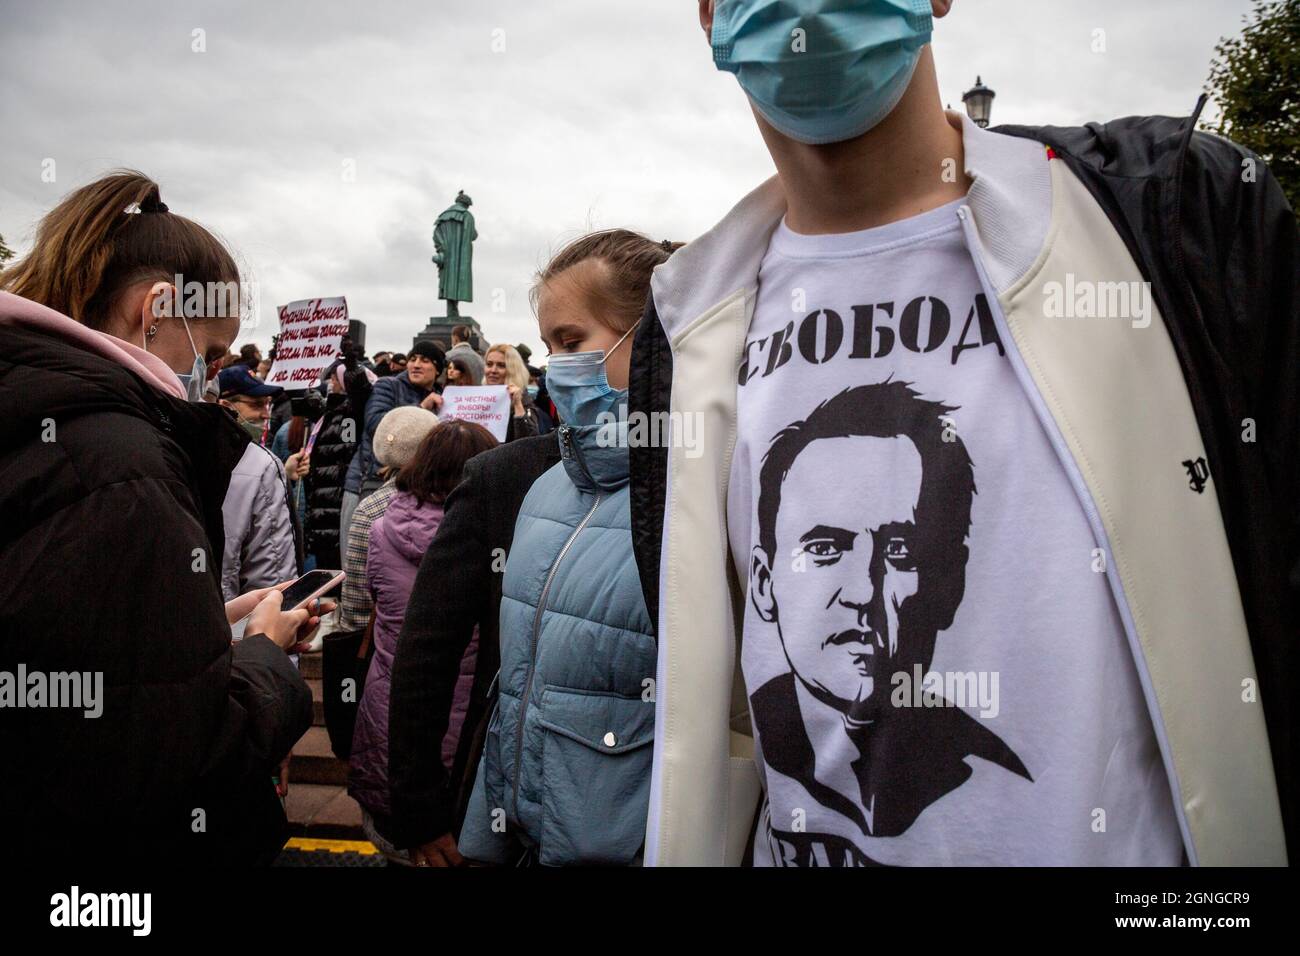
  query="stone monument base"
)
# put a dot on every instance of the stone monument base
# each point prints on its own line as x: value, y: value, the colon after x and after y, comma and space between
x: 439, y: 329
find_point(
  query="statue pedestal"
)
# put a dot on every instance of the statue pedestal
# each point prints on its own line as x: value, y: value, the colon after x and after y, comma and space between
x: 439, y: 329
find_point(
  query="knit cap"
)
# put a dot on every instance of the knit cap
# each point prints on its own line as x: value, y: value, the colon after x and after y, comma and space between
x: 399, y: 434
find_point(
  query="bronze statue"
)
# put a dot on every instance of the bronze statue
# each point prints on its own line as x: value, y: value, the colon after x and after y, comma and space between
x: 453, y: 240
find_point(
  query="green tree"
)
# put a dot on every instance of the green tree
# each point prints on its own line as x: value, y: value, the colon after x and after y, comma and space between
x: 1255, y: 79
x: 5, y: 252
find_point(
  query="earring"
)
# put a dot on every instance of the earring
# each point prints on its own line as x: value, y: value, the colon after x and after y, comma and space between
x: 153, y: 330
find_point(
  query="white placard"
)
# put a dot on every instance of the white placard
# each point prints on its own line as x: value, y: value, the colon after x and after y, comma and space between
x: 487, y: 405
x: 310, y: 333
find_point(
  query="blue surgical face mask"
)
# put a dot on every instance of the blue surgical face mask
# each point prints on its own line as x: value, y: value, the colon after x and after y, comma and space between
x: 197, y: 378
x: 577, y: 385
x: 821, y: 71
x: 194, y: 382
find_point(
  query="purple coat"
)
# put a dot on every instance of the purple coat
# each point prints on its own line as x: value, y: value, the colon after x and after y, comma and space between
x: 398, y: 541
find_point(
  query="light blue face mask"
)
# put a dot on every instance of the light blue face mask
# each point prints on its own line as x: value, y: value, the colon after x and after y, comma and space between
x: 194, y: 382
x: 577, y: 385
x: 821, y: 71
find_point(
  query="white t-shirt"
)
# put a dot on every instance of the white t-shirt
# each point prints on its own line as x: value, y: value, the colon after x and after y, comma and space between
x: 936, y: 669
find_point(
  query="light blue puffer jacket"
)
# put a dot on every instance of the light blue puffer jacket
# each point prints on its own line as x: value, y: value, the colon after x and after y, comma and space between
x: 566, y: 761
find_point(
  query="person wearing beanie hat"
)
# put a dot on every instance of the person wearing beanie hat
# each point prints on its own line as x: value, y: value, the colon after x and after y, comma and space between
x: 431, y: 351
x: 396, y: 438
x: 415, y: 386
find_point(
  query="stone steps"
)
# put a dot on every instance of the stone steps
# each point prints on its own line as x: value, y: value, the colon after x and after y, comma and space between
x: 318, y: 804
x: 312, y: 760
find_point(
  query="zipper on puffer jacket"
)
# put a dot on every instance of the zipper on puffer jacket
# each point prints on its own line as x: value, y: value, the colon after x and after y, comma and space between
x: 566, y: 439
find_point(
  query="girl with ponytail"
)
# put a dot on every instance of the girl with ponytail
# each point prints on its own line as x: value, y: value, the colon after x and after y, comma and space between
x: 111, y: 538
x: 566, y: 756
x: 107, y: 257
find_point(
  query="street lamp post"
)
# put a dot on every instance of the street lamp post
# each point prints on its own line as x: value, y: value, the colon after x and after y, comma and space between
x: 979, y: 103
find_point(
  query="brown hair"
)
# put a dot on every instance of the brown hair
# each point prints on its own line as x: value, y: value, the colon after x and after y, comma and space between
x: 462, y: 365
x: 617, y: 298
x: 436, y: 466
x: 297, y: 433
x: 89, y: 249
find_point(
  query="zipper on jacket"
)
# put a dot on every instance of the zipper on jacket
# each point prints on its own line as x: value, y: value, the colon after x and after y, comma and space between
x: 574, y: 451
x: 1177, y: 233
x: 536, y: 635
x: 1081, y: 492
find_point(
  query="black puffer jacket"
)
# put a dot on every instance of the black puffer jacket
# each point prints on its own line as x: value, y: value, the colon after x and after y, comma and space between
x: 330, y: 458
x: 110, y: 554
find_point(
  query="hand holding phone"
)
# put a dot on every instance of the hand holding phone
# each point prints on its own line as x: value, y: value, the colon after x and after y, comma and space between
x: 310, y: 586
x: 289, y: 614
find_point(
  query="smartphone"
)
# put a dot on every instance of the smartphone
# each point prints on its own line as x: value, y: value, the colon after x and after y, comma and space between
x: 309, y: 587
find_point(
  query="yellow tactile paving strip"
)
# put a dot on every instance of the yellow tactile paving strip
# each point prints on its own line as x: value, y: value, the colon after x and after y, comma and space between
x: 334, y: 846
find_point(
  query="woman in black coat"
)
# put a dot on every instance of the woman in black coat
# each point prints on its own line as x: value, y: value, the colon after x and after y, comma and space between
x: 164, y: 736
x: 457, y: 589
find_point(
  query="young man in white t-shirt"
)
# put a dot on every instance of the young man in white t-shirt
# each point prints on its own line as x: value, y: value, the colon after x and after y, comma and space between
x: 963, y: 598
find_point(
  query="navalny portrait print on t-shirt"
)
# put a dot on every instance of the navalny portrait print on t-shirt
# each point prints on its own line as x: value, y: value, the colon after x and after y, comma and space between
x: 858, y: 613
x: 936, y: 669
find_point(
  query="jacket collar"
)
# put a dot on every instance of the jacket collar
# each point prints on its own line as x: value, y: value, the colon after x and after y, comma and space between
x: 403, y: 380
x: 595, y: 456
x: 1010, y: 201
x: 77, y: 377
x: 15, y: 310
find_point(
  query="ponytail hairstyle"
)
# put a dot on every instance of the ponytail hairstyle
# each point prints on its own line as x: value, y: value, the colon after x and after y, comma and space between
x: 89, y: 249
x: 617, y: 292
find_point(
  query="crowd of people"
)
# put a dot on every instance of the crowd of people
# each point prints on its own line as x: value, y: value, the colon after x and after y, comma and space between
x: 246, y: 486
x: 588, y: 648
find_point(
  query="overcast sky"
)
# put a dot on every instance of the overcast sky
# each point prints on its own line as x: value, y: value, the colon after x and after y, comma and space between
x: 557, y: 117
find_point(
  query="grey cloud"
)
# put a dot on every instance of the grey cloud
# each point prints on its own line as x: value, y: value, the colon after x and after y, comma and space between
x: 598, y: 113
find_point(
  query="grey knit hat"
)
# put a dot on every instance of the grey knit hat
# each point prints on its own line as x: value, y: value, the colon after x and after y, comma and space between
x: 399, y: 434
